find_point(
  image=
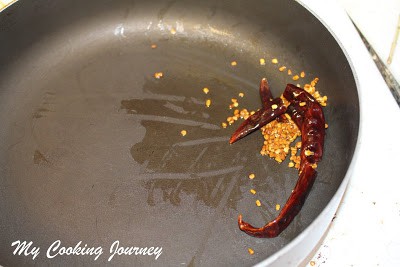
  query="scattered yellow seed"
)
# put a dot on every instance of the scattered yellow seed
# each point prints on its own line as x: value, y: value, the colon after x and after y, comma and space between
x: 206, y: 90
x: 278, y: 207
x: 308, y: 153
x: 295, y: 77
x: 241, y: 95
x: 326, y: 126
x: 208, y: 102
x: 302, y: 74
x: 262, y: 61
x: 253, y: 191
x: 183, y: 132
x: 312, y: 263
x: 302, y: 104
x: 236, y: 104
x: 224, y: 125
x: 153, y: 46
x: 158, y: 75
x: 289, y: 72
x: 252, y: 176
x: 233, y: 63
x: 314, y: 166
x: 282, y: 68
x: 291, y: 164
x: 173, y: 31
x: 251, y: 252
x: 258, y: 203
x: 274, y: 106
x: 274, y: 60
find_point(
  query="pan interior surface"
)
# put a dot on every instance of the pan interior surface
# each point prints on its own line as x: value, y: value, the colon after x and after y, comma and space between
x: 91, y: 143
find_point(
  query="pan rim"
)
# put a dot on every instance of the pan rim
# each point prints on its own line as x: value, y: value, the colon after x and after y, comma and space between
x: 335, y: 201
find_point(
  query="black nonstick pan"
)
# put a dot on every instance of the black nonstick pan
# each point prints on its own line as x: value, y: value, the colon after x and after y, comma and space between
x: 91, y: 147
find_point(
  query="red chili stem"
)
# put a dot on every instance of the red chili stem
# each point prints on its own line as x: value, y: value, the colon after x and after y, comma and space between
x: 265, y: 93
x: 266, y: 97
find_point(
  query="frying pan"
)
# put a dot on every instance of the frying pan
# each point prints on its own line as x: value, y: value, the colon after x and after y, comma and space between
x: 90, y: 141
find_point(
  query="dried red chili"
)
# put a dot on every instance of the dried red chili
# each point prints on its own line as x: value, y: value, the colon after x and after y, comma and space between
x: 307, y: 113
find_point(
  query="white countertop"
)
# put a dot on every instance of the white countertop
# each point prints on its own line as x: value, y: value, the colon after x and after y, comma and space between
x: 366, y: 230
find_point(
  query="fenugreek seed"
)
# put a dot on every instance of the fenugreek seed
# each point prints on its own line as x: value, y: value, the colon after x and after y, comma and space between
x: 252, y: 176
x: 282, y: 68
x: 234, y: 100
x: 312, y: 263
x: 208, y: 102
x: 252, y: 112
x: 302, y: 74
x: 291, y: 164
x: 224, y: 125
x: 277, y: 207
x: 251, y: 252
x: 153, y: 46
x: 289, y: 72
x: 326, y: 126
x: 173, y: 31
x: 158, y: 75
x: 258, y: 203
x: 233, y: 63
x: 295, y: 77
x: 262, y: 61
x: 302, y: 104
x: 323, y: 104
x: 308, y: 153
x: 206, y: 90
x: 241, y: 94
x: 236, y: 104
x: 183, y: 132
x: 287, y: 116
x: 274, y: 106
x: 274, y: 60
x: 253, y: 191
x: 314, y: 166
